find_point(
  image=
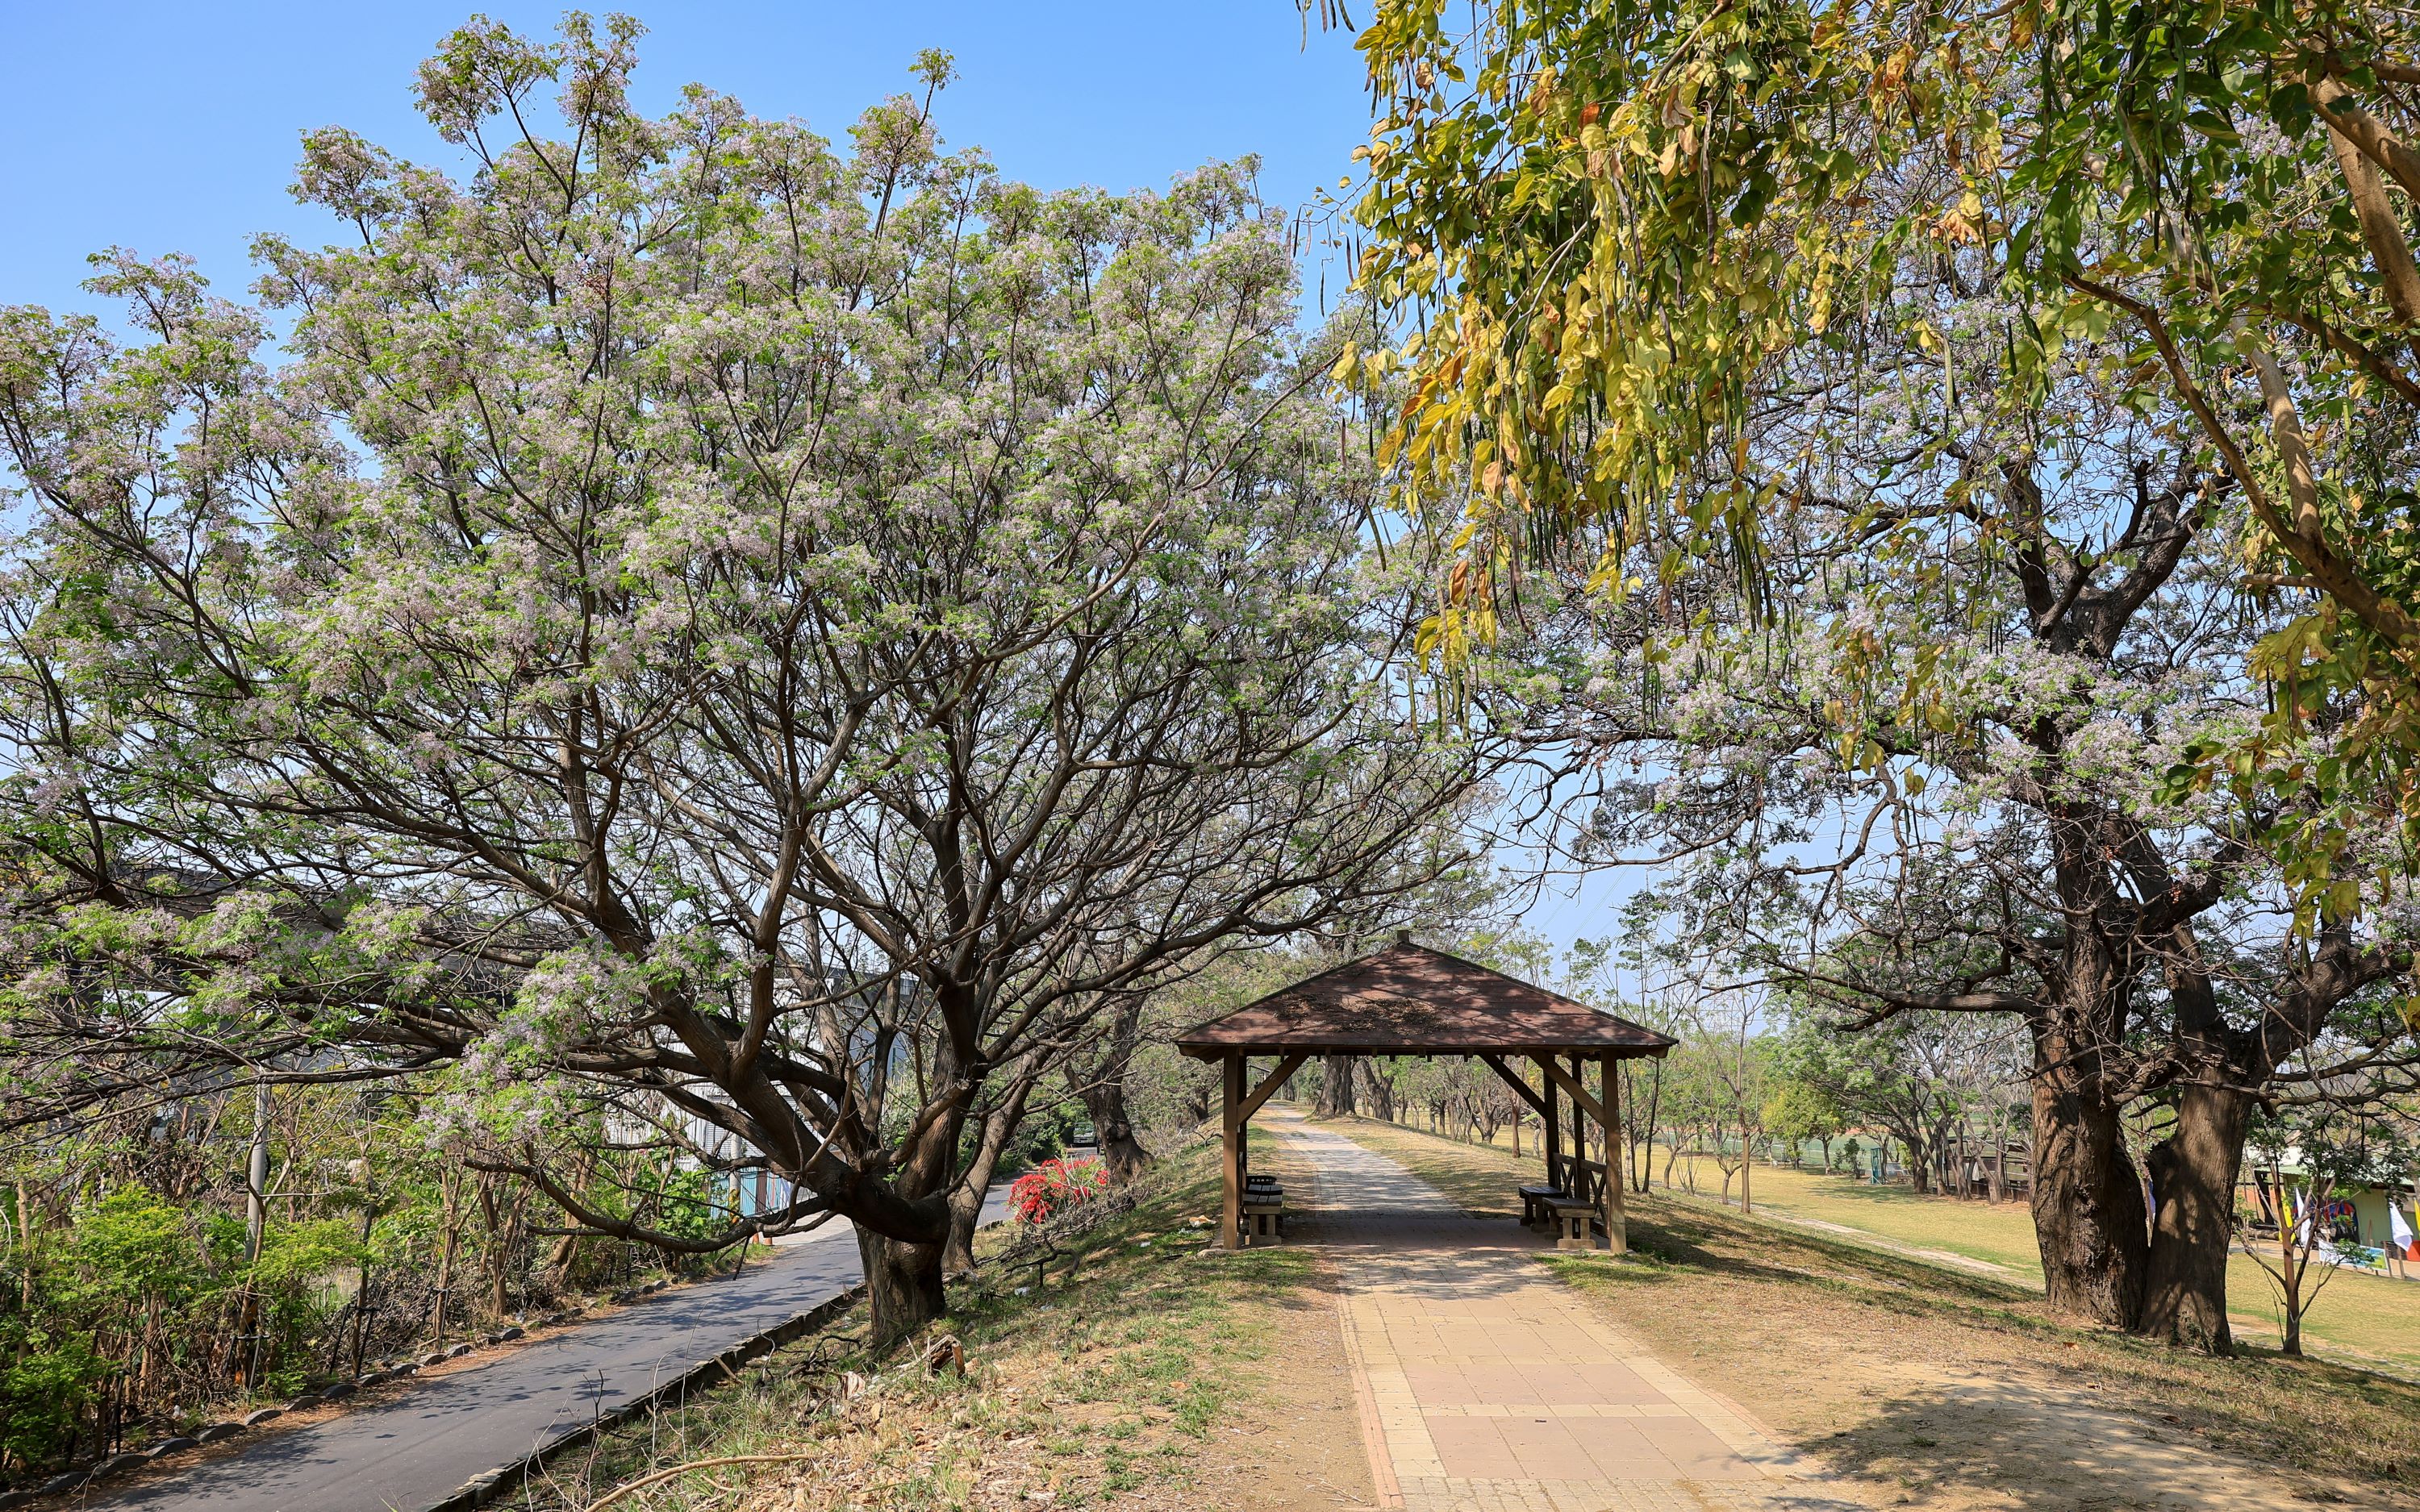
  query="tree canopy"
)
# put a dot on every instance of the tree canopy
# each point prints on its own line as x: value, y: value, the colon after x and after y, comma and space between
x: 1615, y: 227
x: 1956, y: 455
x: 708, y: 630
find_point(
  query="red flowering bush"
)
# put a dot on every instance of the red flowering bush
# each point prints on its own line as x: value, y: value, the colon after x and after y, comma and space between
x: 1054, y: 1187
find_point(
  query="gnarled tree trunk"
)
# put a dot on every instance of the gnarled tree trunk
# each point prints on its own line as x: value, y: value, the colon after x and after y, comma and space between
x: 2088, y: 1201
x: 1336, y: 1073
x: 967, y: 1197
x: 904, y: 1274
x: 1122, y: 1154
x: 2193, y: 1179
x: 1382, y: 1092
x: 903, y: 1285
x: 1103, y: 1092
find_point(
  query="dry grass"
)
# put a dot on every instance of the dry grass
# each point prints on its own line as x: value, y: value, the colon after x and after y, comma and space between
x: 1131, y: 1378
x: 2358, y: 1319
x: 1899, y: 1369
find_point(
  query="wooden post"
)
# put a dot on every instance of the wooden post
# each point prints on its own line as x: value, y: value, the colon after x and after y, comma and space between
x: 1554, y: 1122
x: 1617, y: 1222
x: 1580, y: 1191
x: 1231, y: 1151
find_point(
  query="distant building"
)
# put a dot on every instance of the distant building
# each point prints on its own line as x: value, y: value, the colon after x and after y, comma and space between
x: 2355, y: 1218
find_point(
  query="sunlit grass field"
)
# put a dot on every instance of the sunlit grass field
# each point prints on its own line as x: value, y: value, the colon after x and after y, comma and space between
x: 2355, y: 1315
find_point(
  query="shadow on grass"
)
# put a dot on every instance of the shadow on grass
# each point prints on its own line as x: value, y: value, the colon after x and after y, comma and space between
x: 1996, y: 1439
x: 2147, y: 1401
x: 2062, y: 1447
x: 1670, y: 1234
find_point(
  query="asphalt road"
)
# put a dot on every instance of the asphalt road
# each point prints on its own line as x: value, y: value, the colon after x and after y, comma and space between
x: 415, y: 1449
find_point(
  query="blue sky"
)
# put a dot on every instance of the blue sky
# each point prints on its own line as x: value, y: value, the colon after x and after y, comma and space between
x: 174, y: 127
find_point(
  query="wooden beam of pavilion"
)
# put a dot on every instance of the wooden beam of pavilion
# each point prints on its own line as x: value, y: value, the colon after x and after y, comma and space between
x: 1276, y: 1078
x: 1236, y: 1112
x: 1528, y: 1093
x: 1579, y: 1094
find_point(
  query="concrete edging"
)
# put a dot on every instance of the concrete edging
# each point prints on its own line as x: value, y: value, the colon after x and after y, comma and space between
x: 482, y: 1488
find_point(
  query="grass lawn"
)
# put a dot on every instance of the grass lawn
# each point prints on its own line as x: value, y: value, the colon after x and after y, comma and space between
x: 1137, y: 1375
x: 2360, y: 1317
x: 1957, y: 1387
x: 2364, y: 1319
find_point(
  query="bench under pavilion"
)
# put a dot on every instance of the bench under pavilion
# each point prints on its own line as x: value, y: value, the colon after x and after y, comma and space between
x: 1408, y: 999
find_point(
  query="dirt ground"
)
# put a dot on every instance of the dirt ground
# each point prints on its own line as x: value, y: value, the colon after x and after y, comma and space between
x: 1943, y: 1415
x: 1935, y: 1388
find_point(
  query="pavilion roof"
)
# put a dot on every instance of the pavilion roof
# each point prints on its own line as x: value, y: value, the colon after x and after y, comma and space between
x: 1410, y: 1000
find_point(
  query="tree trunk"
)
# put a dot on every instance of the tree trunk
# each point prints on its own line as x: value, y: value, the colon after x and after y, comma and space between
x: 904, y: 1277
x: 1382, y: 1092
x: 1122, y: 1154
x: 1103, y: 1092
x: 1917, y: 1159
x: 2088, y: 1205
x: 1336, y: 1073
x: 2194, y: 1173
x: 967, y: 1197
x: 450, y: 1230
x: 499, y: 1244
x: 903, y: 1285
x: 2292, y: 1270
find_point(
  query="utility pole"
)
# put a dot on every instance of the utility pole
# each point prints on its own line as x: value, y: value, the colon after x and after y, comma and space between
x: 257, y: 1181
x: 255, y: 1229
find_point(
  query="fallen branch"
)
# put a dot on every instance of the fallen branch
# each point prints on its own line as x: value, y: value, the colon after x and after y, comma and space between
x: 644, y: 1481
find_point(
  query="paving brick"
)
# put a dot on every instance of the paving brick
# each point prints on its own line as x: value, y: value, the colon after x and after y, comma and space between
x: 1494, y: 1388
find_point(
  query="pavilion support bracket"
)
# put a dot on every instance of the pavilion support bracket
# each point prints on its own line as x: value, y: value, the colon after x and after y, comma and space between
x: 1528, y: 1093
x: 1579, y: 1094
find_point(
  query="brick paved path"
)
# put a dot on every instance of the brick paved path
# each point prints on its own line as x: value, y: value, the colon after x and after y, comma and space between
x: 1487, y: 1384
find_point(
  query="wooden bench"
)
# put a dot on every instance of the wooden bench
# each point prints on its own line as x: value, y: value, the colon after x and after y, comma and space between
x: 1575, y: 1223
x: 1262, y: 1210
x: 1263, y: 1205
x: 1534, y: 1204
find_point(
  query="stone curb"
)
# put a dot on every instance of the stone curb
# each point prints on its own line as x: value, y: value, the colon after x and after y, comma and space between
x: 482, y: 1488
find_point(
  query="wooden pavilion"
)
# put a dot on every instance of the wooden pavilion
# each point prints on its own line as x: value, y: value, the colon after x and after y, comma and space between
x: 1410, y: 1000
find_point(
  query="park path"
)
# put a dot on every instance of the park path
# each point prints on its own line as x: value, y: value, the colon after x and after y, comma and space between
x: 414, y: 1448
x: 1487, y: 1385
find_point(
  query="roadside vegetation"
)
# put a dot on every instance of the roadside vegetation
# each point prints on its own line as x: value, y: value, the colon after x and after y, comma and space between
x: 164, y: 1268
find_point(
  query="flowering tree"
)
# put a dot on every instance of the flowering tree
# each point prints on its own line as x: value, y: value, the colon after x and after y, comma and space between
x: 1901, y: 376
x: 708, y: 628
x: 2222, y: 192
x: 1921, y: 768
